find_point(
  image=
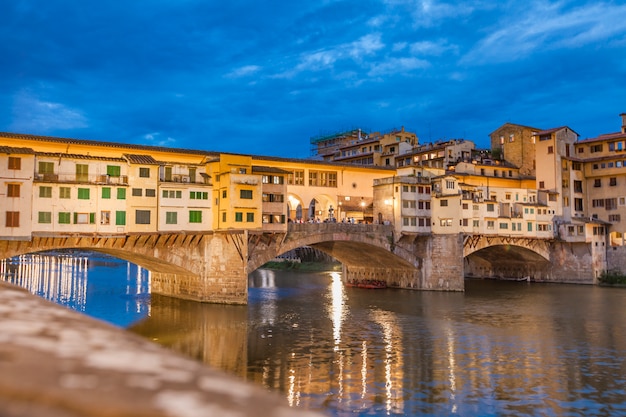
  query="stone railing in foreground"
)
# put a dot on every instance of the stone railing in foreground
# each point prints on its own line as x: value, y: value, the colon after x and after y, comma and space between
x: 57, y: 362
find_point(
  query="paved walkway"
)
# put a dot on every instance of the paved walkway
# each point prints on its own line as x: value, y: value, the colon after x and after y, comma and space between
x: 59, y: 363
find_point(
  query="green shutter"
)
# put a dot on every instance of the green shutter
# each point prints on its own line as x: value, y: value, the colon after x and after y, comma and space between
x: 120, y: 218
x: 113, y: 170
x: 106, y: 192
x: 92, y: 218
x: 75, y: 218
x: 121, y: 193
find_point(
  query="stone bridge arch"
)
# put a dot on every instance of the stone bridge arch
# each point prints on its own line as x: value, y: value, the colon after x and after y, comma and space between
x: 506, y: 257
x: 199, y: 266
x: 371, y: 252
x: 369, y: 245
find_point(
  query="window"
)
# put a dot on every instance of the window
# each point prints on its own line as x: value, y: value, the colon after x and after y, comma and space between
x: 82, y: 172
x: 172, y: 194
x: 137, y: 192
x: 142, y: 216
x: 475, y: 223
x: 195, y: 216
x: 64, y: 218
x: 613, y: 181
x: 83, y: 218
x: 597, y: 182
x: 576, y: 165
x: 200, y: 195
x: 490, y: 207
x: 113, y: 170
x: 83, y: 193
x: 224, y: 216
x: 578, y: 204
x: 144, y: 172
x: 45, y: 192
x: 578, y: 186
x: 242, y: 170
x: 223, y: 193
x: 405, y: 188
x: 550, y: 149
x: 106, y: 192
x: 121, y: 194
x: 65, y: 192
x: 105, y: 217
x: 610, y: 203
x: 15, y: 163
x: 449, y: 185
x: 171, y: 217
x: 322, y: 179
x: 443, y: 203
x: 46, y: 167
x: 250, y: 217
x: 120, y: 218
x: 614, y: 218
x: 296, y: 178
x: 542, y: 185
x: 490, y: 224
x: 150, y: 192
x: 245, y: 194
x: 445, y: 222
x: 13, y: 190
x: 529, y: 226
x: 45, y: 217
x: 596, y: 148
x: 504, y: 226
x: 12, y: 219
x: 238, y: 216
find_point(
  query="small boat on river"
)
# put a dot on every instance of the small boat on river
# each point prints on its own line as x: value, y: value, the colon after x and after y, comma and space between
x: 367, y: 283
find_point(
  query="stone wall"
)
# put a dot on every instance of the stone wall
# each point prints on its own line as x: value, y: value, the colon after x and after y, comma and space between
x: 616, y: 259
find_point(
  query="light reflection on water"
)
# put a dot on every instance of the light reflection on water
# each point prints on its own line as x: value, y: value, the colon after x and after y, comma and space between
x: 500, y: 348
x: 98, y: 285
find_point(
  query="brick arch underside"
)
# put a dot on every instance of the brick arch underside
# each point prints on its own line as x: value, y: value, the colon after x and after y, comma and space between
x: 351, y: 253
x: 146, y: 261
x: 505, y: 261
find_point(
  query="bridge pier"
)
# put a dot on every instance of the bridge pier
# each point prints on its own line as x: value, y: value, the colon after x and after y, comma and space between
x: 218, y: 274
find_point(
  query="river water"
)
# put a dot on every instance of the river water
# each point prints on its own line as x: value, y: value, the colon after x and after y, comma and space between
x: 499, y: 349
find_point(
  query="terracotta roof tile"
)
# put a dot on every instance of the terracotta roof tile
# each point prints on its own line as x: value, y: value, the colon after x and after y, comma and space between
x: 140, y: 159
x: 12, y: 150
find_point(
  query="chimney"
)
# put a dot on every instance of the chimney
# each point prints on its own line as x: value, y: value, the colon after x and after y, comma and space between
x: 623, y: 115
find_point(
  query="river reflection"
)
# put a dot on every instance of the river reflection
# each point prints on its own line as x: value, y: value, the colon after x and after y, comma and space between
x: 499, y: 349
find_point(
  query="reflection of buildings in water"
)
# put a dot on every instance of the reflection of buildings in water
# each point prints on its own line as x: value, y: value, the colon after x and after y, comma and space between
x: 63, y: 277
x: 266, y: 279
x: 212, y: 333
x: 363, y: 353
x: 58, y: 278
x: 393, y: 360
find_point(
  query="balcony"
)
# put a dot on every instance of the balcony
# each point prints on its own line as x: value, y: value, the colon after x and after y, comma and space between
x: 81, y: 178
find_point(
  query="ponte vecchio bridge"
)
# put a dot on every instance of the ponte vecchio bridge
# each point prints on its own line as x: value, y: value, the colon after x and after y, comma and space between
x: 214, y: 266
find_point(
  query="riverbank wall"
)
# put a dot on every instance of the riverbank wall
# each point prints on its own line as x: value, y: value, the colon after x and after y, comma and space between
x: 59, y: 363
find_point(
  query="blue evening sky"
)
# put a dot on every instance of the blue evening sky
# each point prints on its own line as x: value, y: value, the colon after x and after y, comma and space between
x: 263, y: 77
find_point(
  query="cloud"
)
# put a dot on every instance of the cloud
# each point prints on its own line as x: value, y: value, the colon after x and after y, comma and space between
x: 325, y: 59
x: 398, y: 65
x: 429, y: 13
x: 432, y: 48
x: 547, y: 26
x: 245, y: 71
x: 32, y: 115
x: 156, y: 139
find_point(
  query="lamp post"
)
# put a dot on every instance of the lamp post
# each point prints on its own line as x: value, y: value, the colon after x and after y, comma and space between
x: 363, y: 209
x: 331, y: 212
